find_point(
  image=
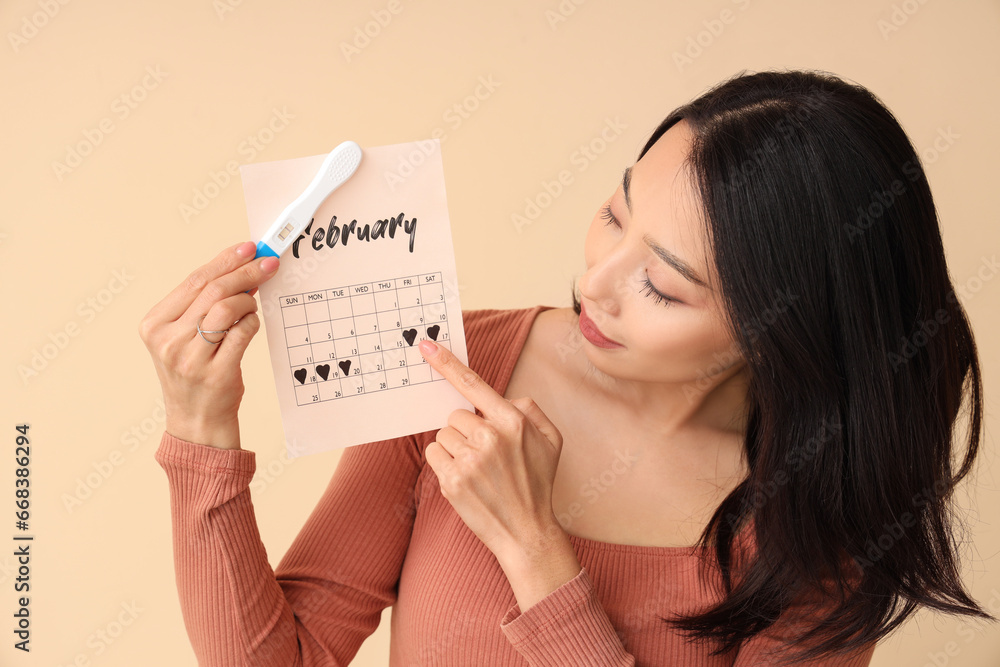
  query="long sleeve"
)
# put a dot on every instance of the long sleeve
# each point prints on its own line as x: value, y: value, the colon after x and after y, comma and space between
x: 326, y: 595
x: 566, y: 627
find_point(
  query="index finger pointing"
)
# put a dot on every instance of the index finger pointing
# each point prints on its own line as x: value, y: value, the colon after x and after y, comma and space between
x: 465, y: 380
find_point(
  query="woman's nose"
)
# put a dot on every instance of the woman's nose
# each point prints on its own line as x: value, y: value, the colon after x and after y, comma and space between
x: 605, y: 283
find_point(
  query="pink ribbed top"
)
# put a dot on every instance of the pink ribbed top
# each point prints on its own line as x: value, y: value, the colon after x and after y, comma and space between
x: 382, y: 534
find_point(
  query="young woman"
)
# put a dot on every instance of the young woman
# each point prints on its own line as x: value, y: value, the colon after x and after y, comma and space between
x: 735, y: 448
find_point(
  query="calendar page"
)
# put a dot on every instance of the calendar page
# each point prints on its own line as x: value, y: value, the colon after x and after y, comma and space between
x: 370, y: 277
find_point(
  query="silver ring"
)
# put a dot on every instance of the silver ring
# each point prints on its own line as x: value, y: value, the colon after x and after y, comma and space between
x: 202, y: 332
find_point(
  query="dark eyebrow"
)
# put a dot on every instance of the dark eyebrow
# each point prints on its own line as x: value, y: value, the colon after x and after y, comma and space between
x: 626, y: 181
x: 673, y: 260
x: 670, y: 258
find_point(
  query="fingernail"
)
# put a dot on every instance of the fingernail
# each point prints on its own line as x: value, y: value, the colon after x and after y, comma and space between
x: 246, y: 249
x: 269, y: 264
x: 428, y: 348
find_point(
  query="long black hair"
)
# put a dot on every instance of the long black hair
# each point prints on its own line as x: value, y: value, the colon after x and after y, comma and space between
x: 811, y: 189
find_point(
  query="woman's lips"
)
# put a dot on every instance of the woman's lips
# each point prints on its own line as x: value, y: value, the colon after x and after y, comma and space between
x: 592, y: 333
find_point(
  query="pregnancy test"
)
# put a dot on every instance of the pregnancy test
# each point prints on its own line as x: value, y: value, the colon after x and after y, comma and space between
x: 338, y: 166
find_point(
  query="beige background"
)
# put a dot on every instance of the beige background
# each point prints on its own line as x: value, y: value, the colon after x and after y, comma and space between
x: 112, y: 231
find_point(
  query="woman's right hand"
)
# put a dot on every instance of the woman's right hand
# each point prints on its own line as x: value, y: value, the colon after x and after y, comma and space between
x: 202, y: 383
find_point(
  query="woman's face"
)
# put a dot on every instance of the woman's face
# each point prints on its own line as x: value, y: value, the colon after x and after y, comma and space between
x: 651, y: 230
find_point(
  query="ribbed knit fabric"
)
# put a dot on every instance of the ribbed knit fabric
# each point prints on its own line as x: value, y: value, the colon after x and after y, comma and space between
x: 382, y: 534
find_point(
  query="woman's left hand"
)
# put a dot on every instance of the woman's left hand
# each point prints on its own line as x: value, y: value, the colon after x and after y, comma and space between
x: 497, y: 471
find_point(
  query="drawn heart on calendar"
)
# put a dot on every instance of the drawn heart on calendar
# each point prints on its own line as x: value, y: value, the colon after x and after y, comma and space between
x: 345, y: 366
x: 323, y: 370
x: 410, y: 335
x: 300, y: 375
x: 433, y: 331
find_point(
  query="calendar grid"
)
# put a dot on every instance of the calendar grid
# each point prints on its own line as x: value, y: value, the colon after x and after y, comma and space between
x: 362, y: 338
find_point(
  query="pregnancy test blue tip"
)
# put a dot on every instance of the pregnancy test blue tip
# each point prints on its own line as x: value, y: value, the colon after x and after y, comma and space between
x: 264, y: 250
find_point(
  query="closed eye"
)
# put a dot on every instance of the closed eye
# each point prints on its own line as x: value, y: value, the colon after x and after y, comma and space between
x: 655, y: 294
x: 606, y: 214
x: 647, y: 286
